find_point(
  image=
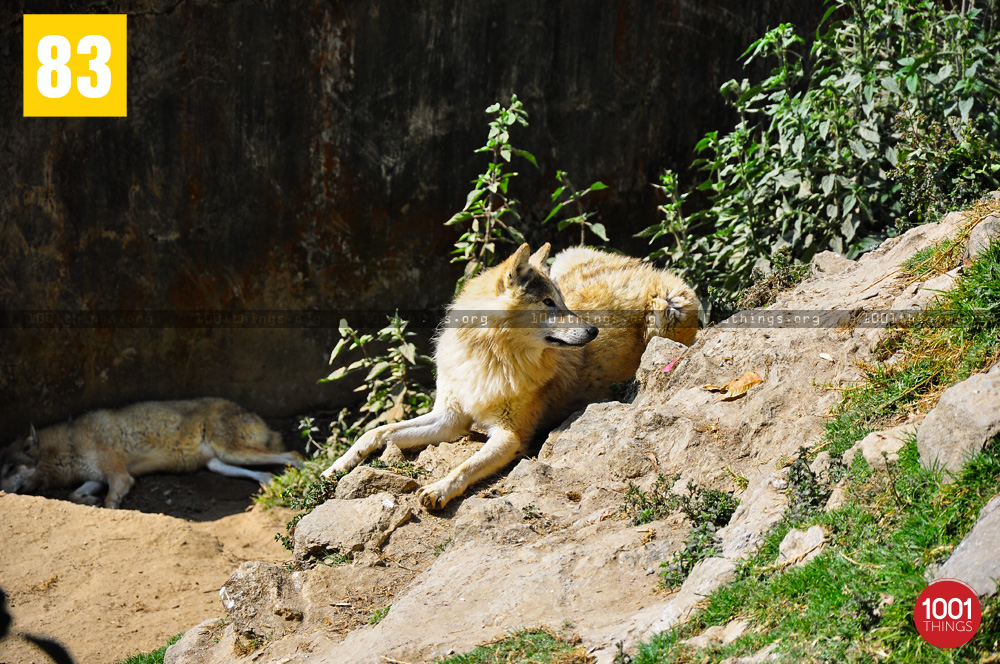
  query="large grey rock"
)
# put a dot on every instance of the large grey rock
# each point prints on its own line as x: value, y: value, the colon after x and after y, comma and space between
x: 966, y: 416
x: 878, y: 447
x: 761, y: 506
x: 263, y: 600
x: 365, y: 481
x: 800, y: 546
x: 355, y: 528
x: 976, y: 560
x: 984, y: 233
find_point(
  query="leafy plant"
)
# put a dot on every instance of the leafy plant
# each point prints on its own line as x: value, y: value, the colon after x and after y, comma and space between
x: 812, y: 162
x: 392, y: 393
x: 488, y: 205
x: 574, y: 197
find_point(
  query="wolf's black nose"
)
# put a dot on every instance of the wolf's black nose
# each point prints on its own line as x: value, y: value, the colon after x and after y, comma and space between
x: 592, y: 331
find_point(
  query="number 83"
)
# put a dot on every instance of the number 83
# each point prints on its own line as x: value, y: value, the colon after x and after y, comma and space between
x: 63, y: 76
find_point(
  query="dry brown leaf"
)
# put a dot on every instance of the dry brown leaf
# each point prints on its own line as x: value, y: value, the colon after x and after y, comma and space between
x: 739, y: 387
x: 736, y: 388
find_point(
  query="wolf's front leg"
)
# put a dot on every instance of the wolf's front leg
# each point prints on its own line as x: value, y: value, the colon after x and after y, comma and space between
x: 500, y: 449
x: 438, y: 426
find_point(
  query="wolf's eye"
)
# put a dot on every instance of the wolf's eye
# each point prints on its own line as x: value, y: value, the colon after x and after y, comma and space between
x: 548, y: 302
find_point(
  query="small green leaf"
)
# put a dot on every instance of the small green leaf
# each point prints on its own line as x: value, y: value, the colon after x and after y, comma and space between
x: 336, y: 375
x: 598, y: 230
x: 409, y: 351
x: 459, y: 218
x: 965, y: 107
x: 890, y: 84
x: 554, y: 212
x: 524, y: 154
x: 336, y: 349
x: 598, y: 186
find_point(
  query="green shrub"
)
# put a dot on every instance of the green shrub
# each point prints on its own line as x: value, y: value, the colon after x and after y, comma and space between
x: 890, y: 117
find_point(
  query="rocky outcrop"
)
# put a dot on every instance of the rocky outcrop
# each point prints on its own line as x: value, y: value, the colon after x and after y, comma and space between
x: 966, y: 416
x: 355, y: 529
x: 546, y: 541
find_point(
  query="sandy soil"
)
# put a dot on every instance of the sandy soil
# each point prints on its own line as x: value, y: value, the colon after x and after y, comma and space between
x: 111, y: 583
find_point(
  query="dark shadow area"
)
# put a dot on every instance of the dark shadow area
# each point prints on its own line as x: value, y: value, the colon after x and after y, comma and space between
x: 55, y: 650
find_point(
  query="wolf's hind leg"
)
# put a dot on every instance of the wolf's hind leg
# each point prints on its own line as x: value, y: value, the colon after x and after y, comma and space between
x: 437, y: 426
x: 87, y: 493
x: 500, y: 449
x: 223, y: 468
x: 119, y: 484
x: 252, y: 457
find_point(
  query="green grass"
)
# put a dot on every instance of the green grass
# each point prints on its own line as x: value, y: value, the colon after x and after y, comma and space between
x: 155, y: 657
x: 854, y: 602
x: 530, y: 646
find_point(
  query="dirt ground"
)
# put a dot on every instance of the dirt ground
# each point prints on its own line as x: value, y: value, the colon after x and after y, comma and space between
x: 112, y: 583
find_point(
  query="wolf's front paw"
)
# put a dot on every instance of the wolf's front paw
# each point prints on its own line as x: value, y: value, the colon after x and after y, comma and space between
x: 436, y: 496
x: 341, y: 465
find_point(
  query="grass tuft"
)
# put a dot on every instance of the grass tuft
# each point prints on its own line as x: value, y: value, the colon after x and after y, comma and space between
x: 530, y: 646
x: 155, y: 657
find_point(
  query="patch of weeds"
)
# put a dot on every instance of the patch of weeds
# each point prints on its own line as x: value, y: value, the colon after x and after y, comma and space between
x: 806, y: 493
x: 335, y: 557
x: 740, y: 481
x: 377, y: 616
x: 641, y: 507
x: 531, y: 512
x: 701, y: 543
x: 155, y: 657
x: 764, y: 288
x: 706, y: 509
x: 440, y: 548
x: 391, y: 365
x: 534, y: 646
x: 316, y: 494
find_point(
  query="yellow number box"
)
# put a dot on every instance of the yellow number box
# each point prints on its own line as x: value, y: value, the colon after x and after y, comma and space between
x: 75, y: 65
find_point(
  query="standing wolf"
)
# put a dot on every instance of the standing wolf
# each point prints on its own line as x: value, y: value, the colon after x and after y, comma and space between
x: 513, y: 358
x: 111, y: 446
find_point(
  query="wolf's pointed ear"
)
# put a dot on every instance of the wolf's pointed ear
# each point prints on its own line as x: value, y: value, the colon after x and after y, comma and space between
x: 31, y: 442
x: 537, y: 259
x: 512, y: 267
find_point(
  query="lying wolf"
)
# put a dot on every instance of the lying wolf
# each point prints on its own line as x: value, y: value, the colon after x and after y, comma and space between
x: 109, y: 447
x: 514, y: 358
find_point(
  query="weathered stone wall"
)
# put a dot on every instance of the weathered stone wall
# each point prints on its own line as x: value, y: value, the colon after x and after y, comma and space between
x: 303, y: 154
